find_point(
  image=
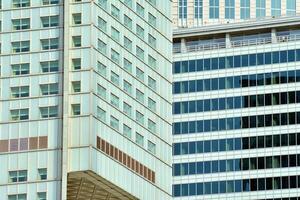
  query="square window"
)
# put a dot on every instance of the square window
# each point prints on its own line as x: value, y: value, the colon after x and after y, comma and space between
x: 77, y: 18
x: 76, y: 109
x: 76, y: 86
x: 76, y: 63
x: 76, y: 41
x: 42, y: 173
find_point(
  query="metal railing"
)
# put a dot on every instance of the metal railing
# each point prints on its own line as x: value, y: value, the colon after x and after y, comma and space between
x: 238, y: 43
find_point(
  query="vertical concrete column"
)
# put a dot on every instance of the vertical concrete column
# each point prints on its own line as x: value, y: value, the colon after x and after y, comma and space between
x: 283, y: 8
x: 297, y: 8
x: 268, y: 8
x: 183, y: 45
x: 252, y: 9
x: 222, y: 11
x: 273, y: 35
x: 175, y: 13
x: 65, y: 135
x: 205, y: 12
x: 237, y: 11
x: 190, y: 13
x: 228, y: 40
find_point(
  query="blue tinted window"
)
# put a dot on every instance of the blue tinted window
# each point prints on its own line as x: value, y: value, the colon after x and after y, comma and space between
x: 199, y: 167
x: 185, y: 148
x: 283, y: 56
x: 223, y: 187
x: 214, y: 125
x: 222, y: 145
x: 200, y: 147
x: 184, y: 107
x: 184, y: 189
x: 214, y: 104
x: 229, y: 62
x: 229, y: 165
x: 238, y: 186
x: 207, y: 146
x: 229, y: 82
x: 192, y: 66
x: 214, y: 166
x: 207, y: 64
x: 237, y: 81
x: 176, y: 190
x: 192, y: 127
x: 207, y: 125
x: 192, y: 189
x: 215, y: 84
x: 237, y: 102
x: 207, y: 167
x: 185, y: 86
x: 222, y: 165
x: 192, y: 106
x: 176, y: 169
x: 200, y: 126
x: 268, y: 58
x: 192, y: 168
x: 222, y: 104
x: 176, y: 67
x: 246, y: 185
x: 237, y: 165
x: 245, y: 61
x: 192, y: 86
x: 177, y: 128
x: 199, y: 85
x: 184, y: 169
x: 199, y: 106
x: 291, y: 56
x: 215, y: 187
x: 215, y: 145
x: 206, y: 105
x: 222, y: 83
x: 237, y: 123
x: 176, y: 87
x: 222, y: 63
x: 214, y: 63
x: 199, y: 65
x: 176, y: 149
x: 297, y: 54
x: 229, y: 144
x: 199, y: 188
x: 252, y: 60
x: 192, y: 147
x: 260, y: 59
x: 237, y: 144
x: 237, y: 61
x: 207, y: 188
x: 176, y: 108
x: 222, y: 124
x: 275, y: 57
x: 184, y: 66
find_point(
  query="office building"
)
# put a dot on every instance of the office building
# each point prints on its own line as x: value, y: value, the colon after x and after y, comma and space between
x: 191, y: 13
x: 236, y: 110
x: 85, y: 99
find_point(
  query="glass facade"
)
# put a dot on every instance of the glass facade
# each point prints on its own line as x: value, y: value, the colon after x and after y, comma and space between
x: 236, y: 111
x: 198, y: 13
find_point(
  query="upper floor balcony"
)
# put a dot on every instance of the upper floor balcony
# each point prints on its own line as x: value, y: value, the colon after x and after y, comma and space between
x: 234, y: 37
